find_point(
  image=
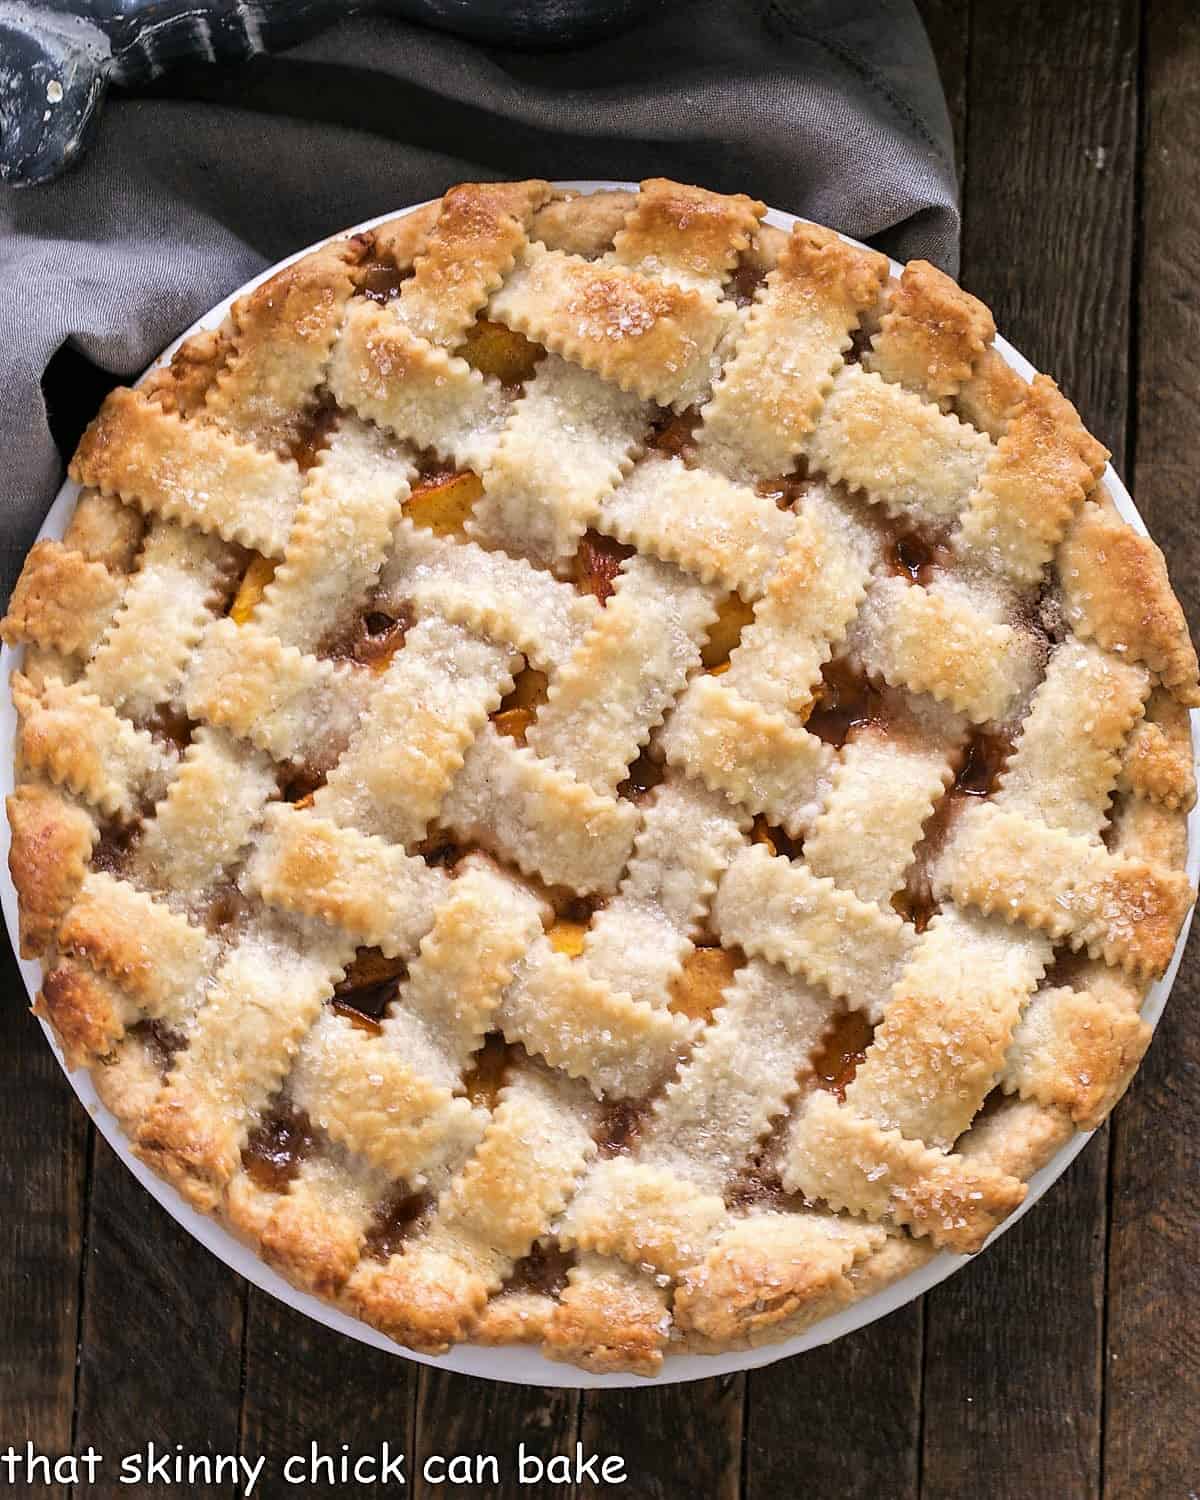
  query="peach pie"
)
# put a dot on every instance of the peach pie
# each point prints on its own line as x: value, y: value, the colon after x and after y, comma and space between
x: 595, y: 773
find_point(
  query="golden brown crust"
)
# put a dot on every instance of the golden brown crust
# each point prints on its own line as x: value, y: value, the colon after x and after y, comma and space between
x: 583, y: 225
x: 316, y: 1251
x: 84, y: 1011
x: 740, y: 1291
x: 991, y: 394
x: 515, y: 1318
x: 399, y: 241
x: 186, y: 1147
x: 182, y: 385
x: 1116, y: 590
x: 61, y: 599
x: 1043, y: 466
x: 472, y: 245
x: 282, y: 334
x: 104, y: 530
x: 686, y: 232
x: 51, y: 845
x: 610, y: 1320
x: 932, y: 334
x: 424, y: 1299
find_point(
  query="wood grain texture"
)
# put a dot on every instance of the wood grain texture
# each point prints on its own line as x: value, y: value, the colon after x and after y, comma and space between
x: 846, y: 1417
x: 161, y: 1334
x: 1013, y: 1368
x: 305, y: 1384
x: 676, y: 1439
x: 1151, y: 1433
x: 458, y: 1415
x: 42, y: 1177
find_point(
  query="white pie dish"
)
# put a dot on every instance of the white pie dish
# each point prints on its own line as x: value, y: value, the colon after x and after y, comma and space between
x: 525, y: 1365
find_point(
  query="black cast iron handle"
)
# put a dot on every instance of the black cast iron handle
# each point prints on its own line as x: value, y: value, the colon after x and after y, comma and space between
x: 58, y: 57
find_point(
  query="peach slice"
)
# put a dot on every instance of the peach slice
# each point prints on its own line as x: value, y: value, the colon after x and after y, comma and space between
x: 493, y: 349
x: 597, y: 563
x: 518, y: 710
x: 697, y: 989
x: 443, y: 505
x: 567, y: 937
x: 733, y: 615
x: 251, y: 589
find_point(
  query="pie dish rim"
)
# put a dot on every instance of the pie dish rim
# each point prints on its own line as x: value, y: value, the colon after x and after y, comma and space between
x: 517, y: 1363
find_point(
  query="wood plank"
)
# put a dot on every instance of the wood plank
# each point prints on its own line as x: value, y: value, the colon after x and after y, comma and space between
x: 306, y: 1384
x: 1012, y: 1368
x: 845, y: 1417
x: 161, y: 1346
x: 1013, y: 1343
x: 1050, y: 193
x: 42, y: 1180
x: 459, y: 1415
x: 1152, y: 1438
x: 675, y: 1439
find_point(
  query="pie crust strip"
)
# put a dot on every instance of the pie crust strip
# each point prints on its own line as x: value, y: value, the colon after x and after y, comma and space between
x: 539, y: 510
x: 430, y: 705
x: 180, y: 581
x: 372, y: 890
x: 648, y: 337
x: 791, y: 347
x: 544, y: 821
x: 388, y: 375
x: 189, y: 472
x: 349, y: 509
x: 499, y: 597
x: 626, y: 673
x: 719, y: 531
x: 285, y: 702
x: 899, y: 450
x: 512, y: 1187
x: 778, y: 910
x: 284, y: 332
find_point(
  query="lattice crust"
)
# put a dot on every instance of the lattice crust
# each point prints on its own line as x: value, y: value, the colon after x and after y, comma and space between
x: 686, y: 235
x: 413, y: 388
x: 189, y: 472
x: 497, y: 596
x: 739, y: 732
x: 1116, y: 591
x: 181, y: 578
x: 755, y: 998
x: 83, y: 744
x: 897, y: 448
x: 293, y: 706
x: 343, y: 533
x: 62, y: 601
x: 479, y: 230
x: 432, y: 699
x: 792, y: 346
x: 649, y: 337
x: 722, y: 532
x: 642, y: 650
x: 777, y: 909
x: 283, y: 333
x: 595, y: 429
x: 932, y: 335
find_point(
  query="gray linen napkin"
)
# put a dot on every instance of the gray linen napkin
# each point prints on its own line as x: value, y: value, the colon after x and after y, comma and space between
x: 827, y: 108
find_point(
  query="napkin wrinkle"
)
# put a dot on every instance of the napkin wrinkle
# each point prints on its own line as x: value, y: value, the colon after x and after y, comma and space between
x: 825, y: 108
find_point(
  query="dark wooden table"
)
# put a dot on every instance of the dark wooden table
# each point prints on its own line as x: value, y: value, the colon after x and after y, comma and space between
x: 1066, y: 1361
